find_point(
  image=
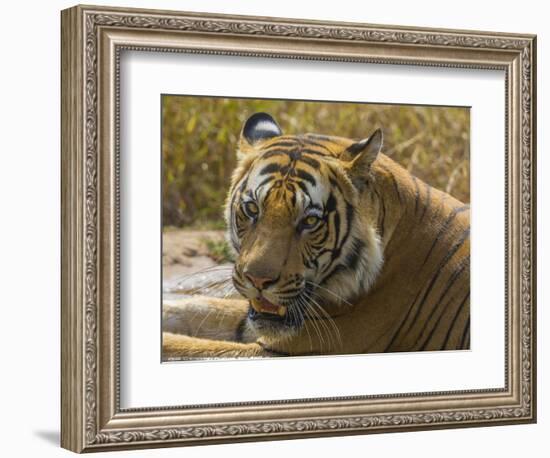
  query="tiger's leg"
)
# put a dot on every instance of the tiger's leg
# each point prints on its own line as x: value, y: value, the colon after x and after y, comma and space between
x: 176, y: 346
x: 208, y: 318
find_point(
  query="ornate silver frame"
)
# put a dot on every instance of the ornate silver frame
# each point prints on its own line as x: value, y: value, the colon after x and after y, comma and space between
x: 92, y: 40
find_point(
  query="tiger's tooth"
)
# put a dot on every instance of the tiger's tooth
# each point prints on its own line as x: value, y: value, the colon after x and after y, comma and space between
x: 256, y: 305
x: 281, y: 310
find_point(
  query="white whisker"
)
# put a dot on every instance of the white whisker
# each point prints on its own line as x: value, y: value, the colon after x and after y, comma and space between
x: 316, y: 285
x: 314, y: 325
x: 298, y: 310
x: 328, y: 319
x: 202, y: 322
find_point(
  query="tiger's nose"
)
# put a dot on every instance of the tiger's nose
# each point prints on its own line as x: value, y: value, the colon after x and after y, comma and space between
x: 259, y: 282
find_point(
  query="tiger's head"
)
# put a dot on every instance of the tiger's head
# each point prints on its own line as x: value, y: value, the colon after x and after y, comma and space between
x: 296, y: 218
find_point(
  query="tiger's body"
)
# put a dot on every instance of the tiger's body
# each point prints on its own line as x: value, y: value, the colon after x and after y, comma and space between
x: 339, y: 250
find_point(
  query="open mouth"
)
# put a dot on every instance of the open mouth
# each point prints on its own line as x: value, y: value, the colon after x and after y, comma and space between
x: 269, y: 319
x: 266, y: 309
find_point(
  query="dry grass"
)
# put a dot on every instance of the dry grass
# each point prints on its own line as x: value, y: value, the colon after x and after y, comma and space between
x: 200, y: 134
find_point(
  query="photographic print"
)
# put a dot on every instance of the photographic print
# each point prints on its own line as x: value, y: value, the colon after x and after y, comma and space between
x: 305, y: 228
x: 287, y: 203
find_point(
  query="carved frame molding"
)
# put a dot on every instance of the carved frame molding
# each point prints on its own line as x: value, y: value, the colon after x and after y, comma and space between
x: 92, y: 40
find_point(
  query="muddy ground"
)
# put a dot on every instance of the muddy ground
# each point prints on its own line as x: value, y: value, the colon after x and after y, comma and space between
x: 185, y: 251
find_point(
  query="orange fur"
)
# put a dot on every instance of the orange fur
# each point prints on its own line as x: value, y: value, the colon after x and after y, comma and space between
x: 417, y: 298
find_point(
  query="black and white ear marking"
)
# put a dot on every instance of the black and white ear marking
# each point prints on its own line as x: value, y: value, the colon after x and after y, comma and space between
x: 260, y: 126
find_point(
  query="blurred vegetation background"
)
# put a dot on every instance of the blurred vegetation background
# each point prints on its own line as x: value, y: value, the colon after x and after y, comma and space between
x: 200, y: 134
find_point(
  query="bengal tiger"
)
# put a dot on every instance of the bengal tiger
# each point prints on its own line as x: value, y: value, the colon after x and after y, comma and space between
x: 338, y: 249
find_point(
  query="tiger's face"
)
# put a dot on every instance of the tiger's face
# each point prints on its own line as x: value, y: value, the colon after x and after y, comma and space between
x: 294, y: 222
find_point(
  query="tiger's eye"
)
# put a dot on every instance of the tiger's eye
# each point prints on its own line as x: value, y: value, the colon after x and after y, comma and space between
x: 310, y: 221
x: 251, y: 209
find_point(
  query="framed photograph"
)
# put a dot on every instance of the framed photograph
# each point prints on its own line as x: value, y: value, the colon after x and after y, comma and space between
x: 277, y: 228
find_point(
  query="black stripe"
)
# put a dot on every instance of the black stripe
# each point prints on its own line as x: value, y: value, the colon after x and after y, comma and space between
x: 276, y: 185
x: 270, y: 154
x: 337, y: 223
x: 302, y: 186
x: 320, y: 243
x: 450, y: 283
x: 293, y: 195
x: 438, y: 271
x: 286, y: 283
x: 310, y: 142
x: 237, y: 281
x: 465, y: 334
x: 330, y: 206
x: 266, y: 180
x: 338, y: 268
x: 314, y: 163
x: 394, y: 183
x: 232, y: 209
x: 349, y: 221
x: 349, y: 217
x: 352, y: 258
x: 270, y: 168
x: 335, y: 183
x: 400, y: 327
x: 302, y: 174
x: 244, y: 184
x: 234, y: 214
x: 444, y: 229
x: 240, y: 232
x: 338, y: 248
x: 434, y: 329
x: 239, y: 191
x: 304, y: 189
x: 396, y: 187
x: 416, y: 193
x: 381, y: 215
x: 282, y: 144
x: 448, y: 335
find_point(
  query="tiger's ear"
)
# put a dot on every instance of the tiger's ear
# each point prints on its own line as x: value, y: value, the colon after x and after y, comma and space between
x: 257, y: 128
x: 360, y: 155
